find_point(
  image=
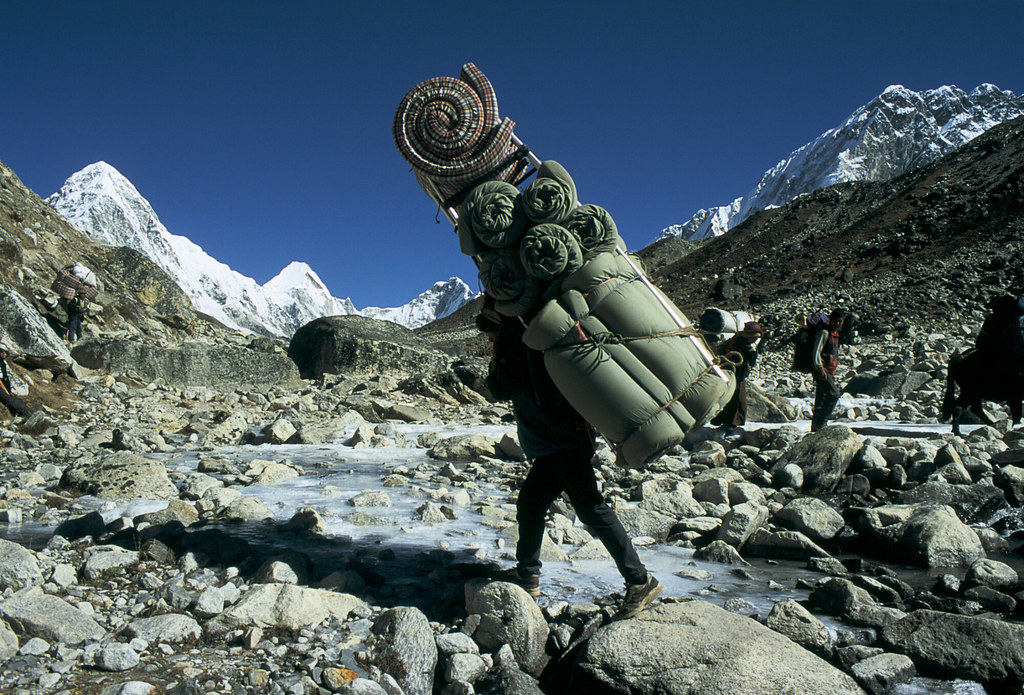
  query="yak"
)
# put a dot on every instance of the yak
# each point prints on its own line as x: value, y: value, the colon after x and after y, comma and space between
x: 978, y: 379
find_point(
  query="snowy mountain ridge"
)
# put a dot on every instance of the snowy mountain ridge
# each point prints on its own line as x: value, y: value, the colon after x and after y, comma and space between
x: 101, y: 202
x: 892, y: 134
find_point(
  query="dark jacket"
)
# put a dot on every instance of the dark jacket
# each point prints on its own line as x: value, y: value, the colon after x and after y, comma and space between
x: 745, y: 348
x: 547, y: 424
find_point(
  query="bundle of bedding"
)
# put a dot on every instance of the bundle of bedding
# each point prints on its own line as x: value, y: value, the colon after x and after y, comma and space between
x: 449, y: 130
x: 627, y: 360
x: 617, y: 348
x: 526, y: 242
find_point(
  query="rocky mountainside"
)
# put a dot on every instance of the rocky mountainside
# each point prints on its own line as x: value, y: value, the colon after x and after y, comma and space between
x: 927, y: 250
x: 922, y: 252
x: 104, y: 204
x: 136, y: 299
x: 897, y: 131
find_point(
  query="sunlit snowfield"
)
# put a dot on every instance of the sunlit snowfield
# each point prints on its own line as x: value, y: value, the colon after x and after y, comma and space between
x: 335, y: 473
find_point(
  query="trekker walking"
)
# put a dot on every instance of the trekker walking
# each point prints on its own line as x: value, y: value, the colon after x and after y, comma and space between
x: 559, y: 443
x: 744, y: 343
x: 824, y: 363
x: 76, y: 312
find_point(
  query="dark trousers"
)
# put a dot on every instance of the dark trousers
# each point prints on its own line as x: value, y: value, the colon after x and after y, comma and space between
x: 734, y: 414
x: 571, y: 472
x: 824, y: 403
x: 74, y: 327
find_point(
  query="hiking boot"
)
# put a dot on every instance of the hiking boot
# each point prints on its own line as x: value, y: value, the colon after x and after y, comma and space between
x: 638, y: 597
x: 530, y: 583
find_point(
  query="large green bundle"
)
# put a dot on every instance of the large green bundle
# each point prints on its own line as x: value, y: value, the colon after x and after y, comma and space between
x: 625, y: 357
x: 616, y: 347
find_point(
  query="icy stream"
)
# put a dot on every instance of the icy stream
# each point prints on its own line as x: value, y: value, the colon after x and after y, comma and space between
x: 334, y: 473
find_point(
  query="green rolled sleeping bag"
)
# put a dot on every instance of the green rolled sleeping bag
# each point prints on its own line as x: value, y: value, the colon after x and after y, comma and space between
x: 502, y: 274
x: 620, y: 358
x: 525, y: 303
x: 549, y: 251
x: 493, y: 212
x: 594, y: 228
x: 551, y: 196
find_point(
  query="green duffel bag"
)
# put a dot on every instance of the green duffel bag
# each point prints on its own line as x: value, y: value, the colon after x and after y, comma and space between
x: 614, y: 346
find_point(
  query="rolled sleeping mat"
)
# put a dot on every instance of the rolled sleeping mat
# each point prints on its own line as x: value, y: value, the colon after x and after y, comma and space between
x: 527, y: 302
x: 449, y: 131
x: 502, y: 274
x: 715, y: 320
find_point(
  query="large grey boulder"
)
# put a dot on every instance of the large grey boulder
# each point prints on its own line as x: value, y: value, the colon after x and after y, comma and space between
x: 465, y: 447
x: 929, y: 535
x: 150, y: 286
x: 890, y: 383
x: 361, y: 345
x: 18, y: 567
x: 119, y: 476
x: 741, y: 521
x: 972, y: 503
x: 107, y: 560
x: 767, y: 407
x: 948, y: 645
x: 697, y: 648
x: 814, y: 518
x: 405, y: 647
x: 677, y: 502
x: 286, y: 606
x: 8, y: 642
x: 792, y: 620
x: 167, y: 627
x: 823, y: 456
x: 509, y: 616
x: 28, y: 337
x: 32, y: 613
x: 190, y: 363
x: 879, y: 674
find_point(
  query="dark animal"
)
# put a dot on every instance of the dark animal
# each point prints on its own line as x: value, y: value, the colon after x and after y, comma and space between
x: 977, y: 378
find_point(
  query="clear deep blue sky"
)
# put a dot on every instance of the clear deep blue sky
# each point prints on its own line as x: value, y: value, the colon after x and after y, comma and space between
x: 262, y: 130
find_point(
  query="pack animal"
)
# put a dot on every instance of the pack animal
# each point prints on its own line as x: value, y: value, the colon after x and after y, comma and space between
x: 973, y: 374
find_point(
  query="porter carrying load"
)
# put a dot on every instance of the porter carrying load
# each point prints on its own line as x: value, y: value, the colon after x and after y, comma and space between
x: 617, y: 348
x: 75, y: 279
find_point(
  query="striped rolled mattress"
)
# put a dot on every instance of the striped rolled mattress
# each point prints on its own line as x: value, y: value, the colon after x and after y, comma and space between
x: 449, y: 130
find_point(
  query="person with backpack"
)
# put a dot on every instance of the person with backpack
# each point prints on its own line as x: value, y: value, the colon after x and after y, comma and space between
x: 559, y: 444
x: 824, y: 362
x: 76, y: 312
x: 743, y: 346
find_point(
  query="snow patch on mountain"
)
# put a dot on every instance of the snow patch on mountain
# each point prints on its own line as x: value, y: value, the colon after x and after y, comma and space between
x: 101, y: 202
x: 897, y: 131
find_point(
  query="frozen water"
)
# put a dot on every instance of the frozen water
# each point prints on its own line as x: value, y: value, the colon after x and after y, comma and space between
x: 335, y: 473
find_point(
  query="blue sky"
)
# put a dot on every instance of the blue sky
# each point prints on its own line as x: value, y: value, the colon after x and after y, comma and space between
x: 262, y: 130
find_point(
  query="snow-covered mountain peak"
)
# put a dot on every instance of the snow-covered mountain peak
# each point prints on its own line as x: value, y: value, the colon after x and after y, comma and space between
x: 104, y: 204
x: 893, y: 133
x: 295, y: 274
x: 439, y: 301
